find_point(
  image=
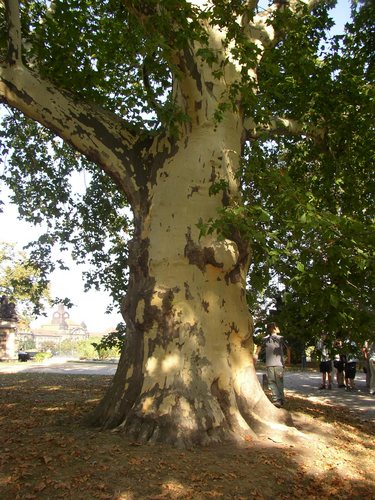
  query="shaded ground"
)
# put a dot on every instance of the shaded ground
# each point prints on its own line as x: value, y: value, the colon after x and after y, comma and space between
x: 47, y: 454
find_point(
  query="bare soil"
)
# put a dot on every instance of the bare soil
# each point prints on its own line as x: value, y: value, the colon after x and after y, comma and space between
x: 46, y: 452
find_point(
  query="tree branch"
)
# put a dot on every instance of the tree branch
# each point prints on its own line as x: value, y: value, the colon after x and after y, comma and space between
x: 103, y: 139
x: 292, y: 5
x: 281, y: 126
x: 101, y: 136
x: 151, y: 99
x: 12, y: 16
x: 251, y: 4
x: 260, y: 28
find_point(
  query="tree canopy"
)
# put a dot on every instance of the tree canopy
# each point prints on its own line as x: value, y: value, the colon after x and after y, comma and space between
x: 306, y: 205
x: 22, y: 283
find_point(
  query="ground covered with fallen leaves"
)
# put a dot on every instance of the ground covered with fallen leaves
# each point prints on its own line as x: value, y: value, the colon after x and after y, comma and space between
x: 46, y: 452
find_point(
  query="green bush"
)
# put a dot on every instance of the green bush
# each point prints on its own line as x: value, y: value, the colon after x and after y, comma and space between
x: 110, y: 345
x: 41, y: 356
x: 48, y: 346
x: 81, y: 348
x: 85, y: 349
x: 27, y: 345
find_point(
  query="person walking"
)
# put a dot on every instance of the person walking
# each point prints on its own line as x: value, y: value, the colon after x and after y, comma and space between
x: 275, y: 347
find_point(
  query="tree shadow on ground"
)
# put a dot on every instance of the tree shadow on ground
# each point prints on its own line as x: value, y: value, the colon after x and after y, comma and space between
x: 47, y: 453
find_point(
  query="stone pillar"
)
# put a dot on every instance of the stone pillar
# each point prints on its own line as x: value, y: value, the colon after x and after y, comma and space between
x: 8, y: 343
x: 8, y: 327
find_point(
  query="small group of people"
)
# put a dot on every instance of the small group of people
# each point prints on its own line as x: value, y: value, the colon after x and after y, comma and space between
x: 344, y: 358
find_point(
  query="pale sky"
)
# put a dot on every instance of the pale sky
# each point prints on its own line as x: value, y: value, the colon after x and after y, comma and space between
x: 90, y: 306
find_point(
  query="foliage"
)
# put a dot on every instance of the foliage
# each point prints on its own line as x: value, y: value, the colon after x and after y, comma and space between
x: 111, y: 344
x: 306, y: 206
x: 22, y: 281
x: 42, y: 356
x: 85, y: 349
x: 80, y: 348
x: 308, y: 211
x: 48, y: 346
x: 317, y: 216
x: 27, y: 345
x: 89, y: 220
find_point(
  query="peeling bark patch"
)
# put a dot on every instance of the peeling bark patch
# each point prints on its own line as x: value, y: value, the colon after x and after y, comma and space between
x: 199, y: 256
x: 198, y: 333
x: 225, y: 198
x: 210, y: 87
x: 194, y: 189
x: 192, y: 67
x: 234, y: 327
x: 223, y: 399
x: 213, y: 175
x: 167, y: 326
x: 188, y: 295
x: 205, y: 305
x: 152, y: 163
x: 23, y: 96
x: 103, y: 134
x: 138, y: 255
x: 234, y: 276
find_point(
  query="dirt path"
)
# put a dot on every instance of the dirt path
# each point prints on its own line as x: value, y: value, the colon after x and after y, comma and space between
x: 305, y: 383
x: 47, y: 453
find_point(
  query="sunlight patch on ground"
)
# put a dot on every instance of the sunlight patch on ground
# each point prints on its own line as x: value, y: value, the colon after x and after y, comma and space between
x: 124, y: 495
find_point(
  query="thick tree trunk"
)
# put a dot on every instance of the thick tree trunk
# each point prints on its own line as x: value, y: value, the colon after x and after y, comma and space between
x: 186, y: 374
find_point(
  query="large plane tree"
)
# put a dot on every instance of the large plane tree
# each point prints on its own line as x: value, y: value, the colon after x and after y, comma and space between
x: 218, y: 124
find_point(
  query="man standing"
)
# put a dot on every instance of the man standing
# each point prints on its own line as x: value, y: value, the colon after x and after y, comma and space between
x: 274, y: 346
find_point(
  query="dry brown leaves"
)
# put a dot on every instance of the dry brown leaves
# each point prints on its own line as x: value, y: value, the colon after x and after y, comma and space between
x: 47, y: 453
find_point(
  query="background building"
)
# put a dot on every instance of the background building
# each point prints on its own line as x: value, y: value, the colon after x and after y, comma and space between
x: 59, y: 329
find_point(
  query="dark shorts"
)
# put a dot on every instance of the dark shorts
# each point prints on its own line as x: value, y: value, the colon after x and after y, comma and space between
x: 325, y: 366
x: 350, y: 370
x: 339, y: 365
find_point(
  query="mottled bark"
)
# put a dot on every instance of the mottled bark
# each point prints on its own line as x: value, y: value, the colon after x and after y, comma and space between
x: 187, y: 374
